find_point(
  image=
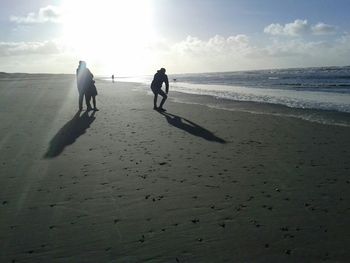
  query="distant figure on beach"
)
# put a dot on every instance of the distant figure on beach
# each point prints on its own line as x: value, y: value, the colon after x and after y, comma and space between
x: 84, y: 78
x: 159, y: 78
x: 113, y: 78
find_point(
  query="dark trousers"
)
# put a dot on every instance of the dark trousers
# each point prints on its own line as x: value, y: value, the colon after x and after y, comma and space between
x: 87, y: 100
x: 160, y: 92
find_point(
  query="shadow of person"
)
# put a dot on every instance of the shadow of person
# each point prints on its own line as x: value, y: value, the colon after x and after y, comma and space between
x: 191, y: 127
x: 68, y: 134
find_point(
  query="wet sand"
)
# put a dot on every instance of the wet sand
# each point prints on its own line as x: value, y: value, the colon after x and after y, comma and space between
x: 196, y: 184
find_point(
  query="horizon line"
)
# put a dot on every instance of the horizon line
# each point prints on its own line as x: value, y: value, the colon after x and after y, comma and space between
x: 183, y: 73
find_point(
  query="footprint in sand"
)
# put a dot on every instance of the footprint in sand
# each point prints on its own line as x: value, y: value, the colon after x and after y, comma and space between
x: 142, y: 239
x: 288, y: 251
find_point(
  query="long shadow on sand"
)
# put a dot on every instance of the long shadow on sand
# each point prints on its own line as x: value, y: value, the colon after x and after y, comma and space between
x: 191, y: 127
x: 68, y: 134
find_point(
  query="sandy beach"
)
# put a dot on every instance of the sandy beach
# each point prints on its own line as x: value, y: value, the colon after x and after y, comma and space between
x: 194, y: 184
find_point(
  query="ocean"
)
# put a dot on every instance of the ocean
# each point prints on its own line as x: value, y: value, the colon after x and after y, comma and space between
x: 322, y: 88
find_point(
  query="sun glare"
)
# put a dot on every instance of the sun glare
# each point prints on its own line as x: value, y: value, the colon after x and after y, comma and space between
x: 113, y: 35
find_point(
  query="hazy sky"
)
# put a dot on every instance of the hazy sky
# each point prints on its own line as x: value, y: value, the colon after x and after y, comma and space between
x: 135, y: 37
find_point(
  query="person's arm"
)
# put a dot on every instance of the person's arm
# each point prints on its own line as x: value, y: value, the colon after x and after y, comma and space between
x: 166, y: 84
x: 77, y: 75
x: 91, y: 76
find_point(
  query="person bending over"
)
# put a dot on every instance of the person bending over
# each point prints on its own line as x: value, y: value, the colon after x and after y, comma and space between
x: 159, y: 78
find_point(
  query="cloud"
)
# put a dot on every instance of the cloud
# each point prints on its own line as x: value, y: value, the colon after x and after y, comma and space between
x: 292, y: 49
x: 192, y: 54
x: 50, y: 56
x: 217, y: 53
x: 298, y: 28
x: 51, y: 14
x: 29, y: 48
x: 323, y: 29
x: 274, y: 29
x: 240, y: 52
x: 215, y: 45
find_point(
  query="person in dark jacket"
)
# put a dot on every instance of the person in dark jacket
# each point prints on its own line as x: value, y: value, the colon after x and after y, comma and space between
x: 92, y: 93
x: 159, y: 78
x: 84, y: 81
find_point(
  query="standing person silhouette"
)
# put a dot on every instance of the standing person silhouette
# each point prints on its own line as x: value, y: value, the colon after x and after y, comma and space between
x: 84, y: 81
x: 159, y: 78
x: 92, y: 93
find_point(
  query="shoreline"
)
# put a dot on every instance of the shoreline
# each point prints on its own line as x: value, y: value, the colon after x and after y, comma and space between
x: 304, y: 89
x: 321, y: 116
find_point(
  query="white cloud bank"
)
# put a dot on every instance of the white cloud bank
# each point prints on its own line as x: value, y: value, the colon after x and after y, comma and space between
x: 193, y: 54
x: 298, y: 28
x: 52, y: 14
x: 213, y: 54
x: 29, y: 48
x: 241, y: 52
x: 218, y: 53
x: 36, y: 57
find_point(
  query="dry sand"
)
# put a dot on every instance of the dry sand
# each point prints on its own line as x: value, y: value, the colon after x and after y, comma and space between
x: 128, y: 184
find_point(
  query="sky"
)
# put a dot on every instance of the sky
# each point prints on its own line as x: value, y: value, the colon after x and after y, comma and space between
x: 136, y: 37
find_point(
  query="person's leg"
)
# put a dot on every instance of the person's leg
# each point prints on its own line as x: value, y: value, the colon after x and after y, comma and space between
x: 162, y: 93
x: 87, y: 101
x: 94, y: 102
x: 81, y: 97
x: 155, y: 101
